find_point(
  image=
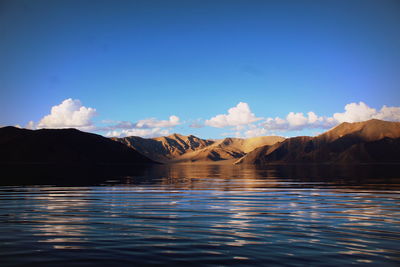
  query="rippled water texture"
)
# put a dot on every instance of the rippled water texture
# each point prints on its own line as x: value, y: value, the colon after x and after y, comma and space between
x: 212, y: 214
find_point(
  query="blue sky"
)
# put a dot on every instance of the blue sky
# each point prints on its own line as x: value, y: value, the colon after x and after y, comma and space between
x: 136, y: 60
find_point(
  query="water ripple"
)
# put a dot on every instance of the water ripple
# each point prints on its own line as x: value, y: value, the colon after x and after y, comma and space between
x: 241, y: 220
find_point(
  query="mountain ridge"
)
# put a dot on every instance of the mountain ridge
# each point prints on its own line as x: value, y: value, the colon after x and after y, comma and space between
x: 345, y: 143
x: 176, y: 148
x: 165, y: 147
x: 368, y: 141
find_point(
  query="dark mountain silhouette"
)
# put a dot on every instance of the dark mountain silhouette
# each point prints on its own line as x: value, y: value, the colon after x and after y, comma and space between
x: 63, y: 146
x: 368, y: 141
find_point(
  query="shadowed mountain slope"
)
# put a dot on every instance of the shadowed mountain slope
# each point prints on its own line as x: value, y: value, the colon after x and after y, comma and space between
x: 63, y: 146
x: 369, y: 141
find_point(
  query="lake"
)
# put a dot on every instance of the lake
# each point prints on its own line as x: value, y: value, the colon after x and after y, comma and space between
x: 207, y: 215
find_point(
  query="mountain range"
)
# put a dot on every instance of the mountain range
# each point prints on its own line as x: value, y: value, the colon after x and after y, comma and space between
x: 361, y: 142
x: 178, y: 148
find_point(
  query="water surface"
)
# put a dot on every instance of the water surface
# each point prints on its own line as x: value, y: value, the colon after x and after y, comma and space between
x: 209, y: 214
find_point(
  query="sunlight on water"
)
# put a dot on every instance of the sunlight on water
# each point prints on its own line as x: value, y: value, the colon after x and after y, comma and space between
x: 208, y: 215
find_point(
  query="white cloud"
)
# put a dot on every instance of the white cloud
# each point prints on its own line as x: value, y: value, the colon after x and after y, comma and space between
x: 361, y: 112
x: 69, y: 114
x: 255, y: 132
x: 312, y: 117
x: 239, y: 119
x: 237, y: 116
x: 154, y: 123
x: 389, y: 113
x: 196, y: 124
x: 247, y: 131
x: 30, y: 125
x: 354, y: 112
x: 142, y: 124
x: 298, y: 121
x: 145, y: 128
x: 147, y: 133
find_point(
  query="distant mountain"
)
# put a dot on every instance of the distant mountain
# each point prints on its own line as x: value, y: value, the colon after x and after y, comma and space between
x: 179, y: 148
x: 63, y: 146
x: 227, y: 149
x: 368, y: 141
x: 165, y: 148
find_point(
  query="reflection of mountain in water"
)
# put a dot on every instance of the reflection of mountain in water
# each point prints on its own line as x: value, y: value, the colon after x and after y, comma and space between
x: 61, y: 226
x: 247, y: 177
x: 203, y: 176
x: 210, y: 213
